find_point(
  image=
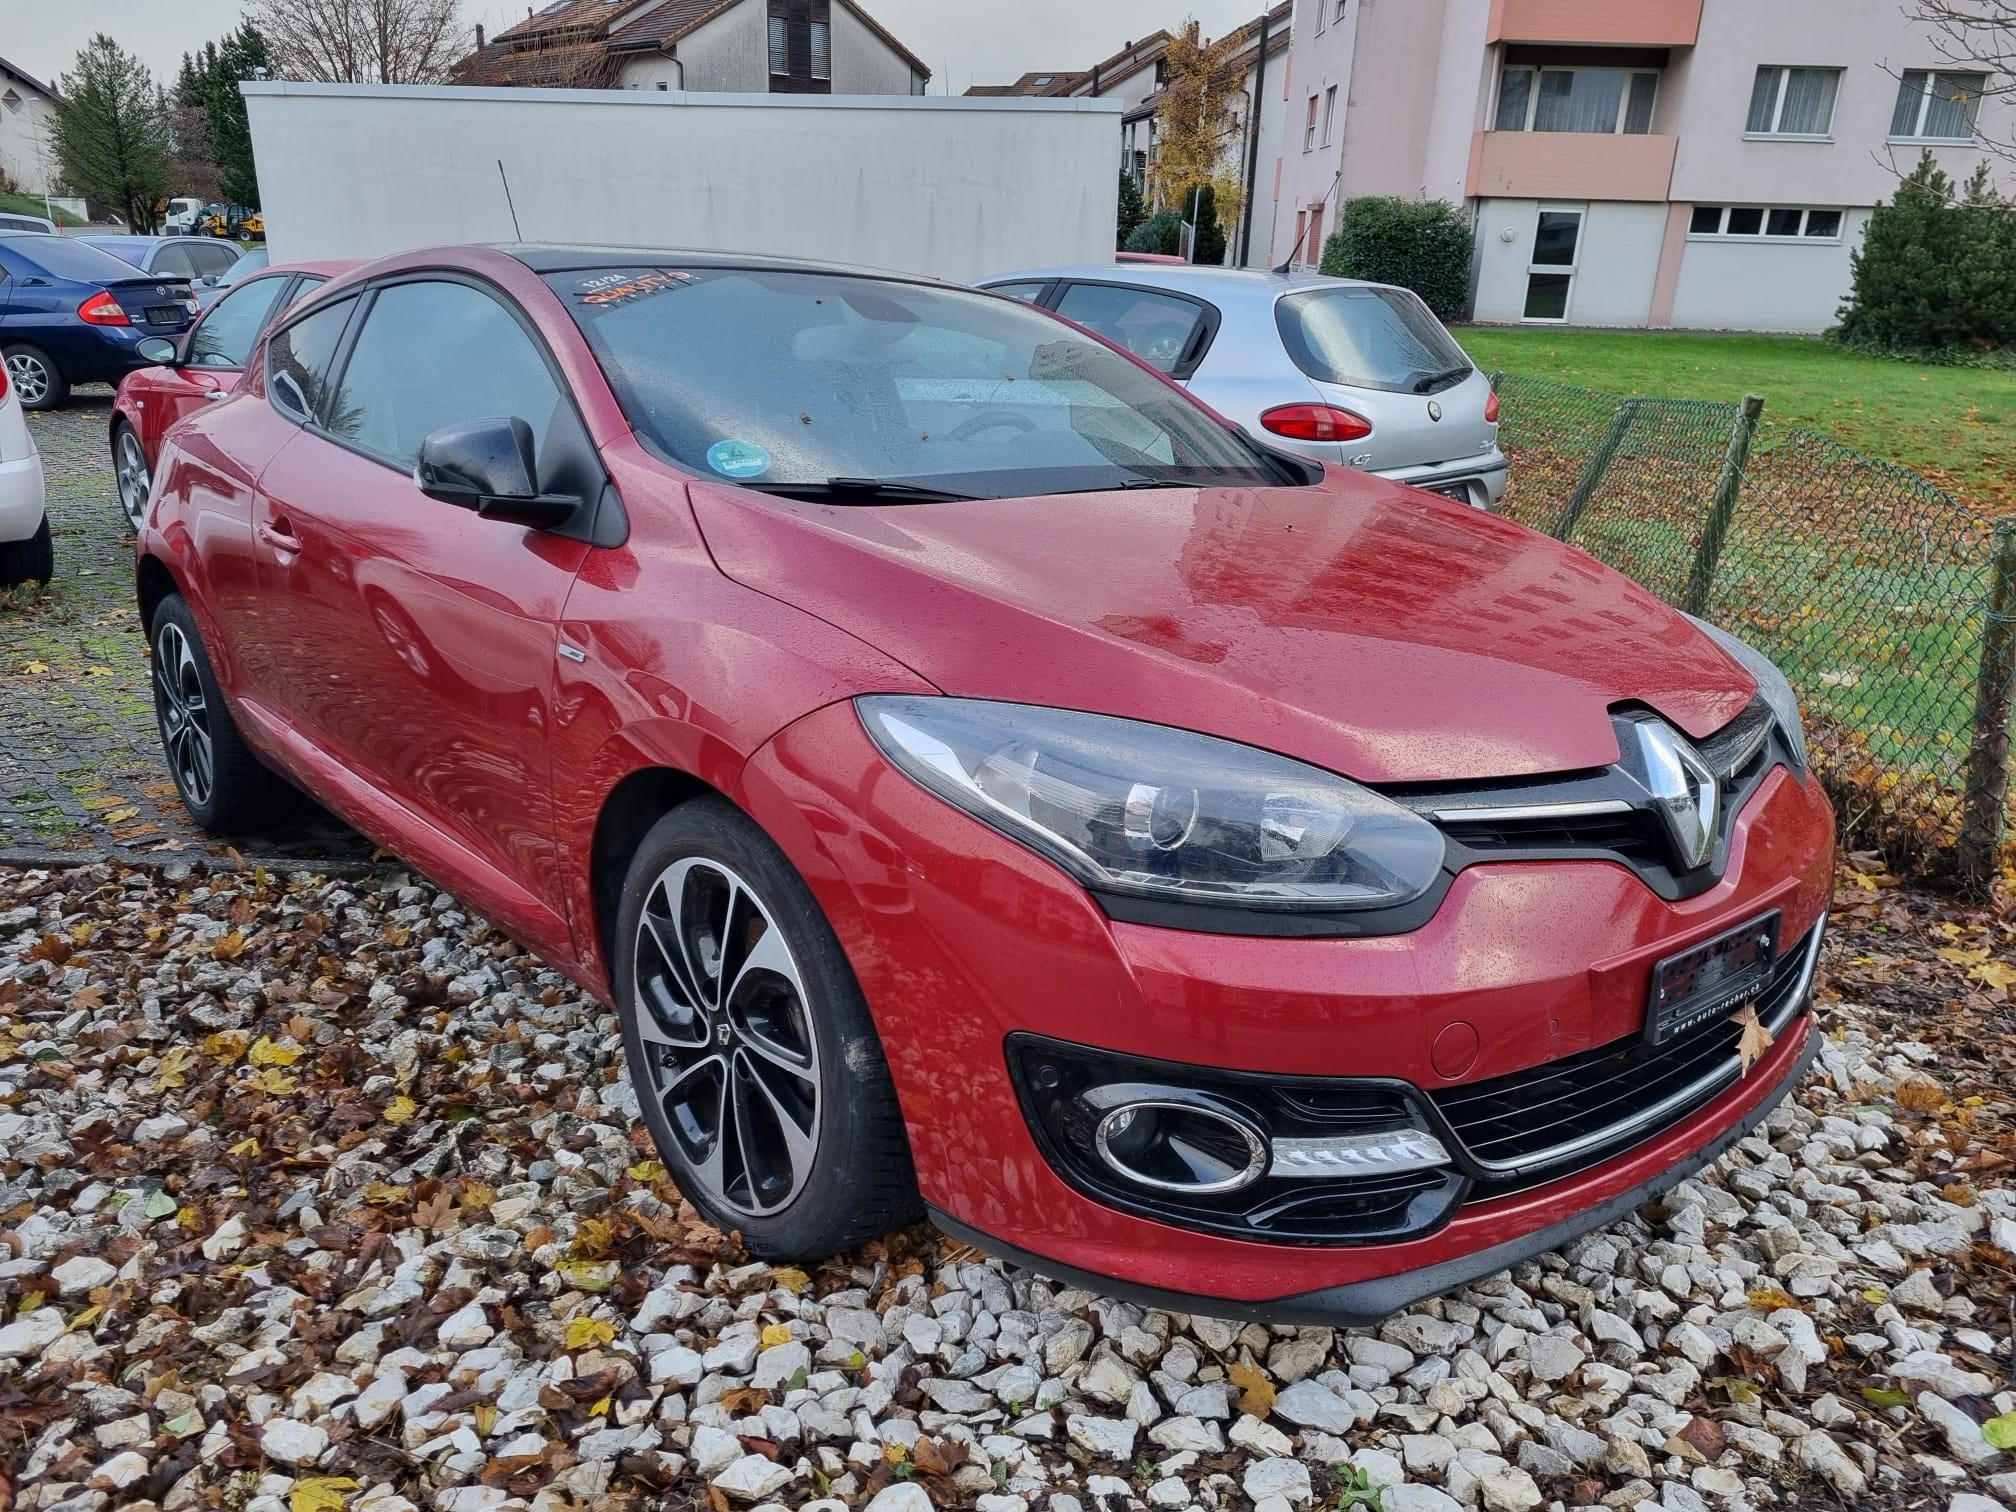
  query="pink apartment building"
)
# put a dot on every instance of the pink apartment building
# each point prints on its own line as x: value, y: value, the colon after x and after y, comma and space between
x: 1691, y: 163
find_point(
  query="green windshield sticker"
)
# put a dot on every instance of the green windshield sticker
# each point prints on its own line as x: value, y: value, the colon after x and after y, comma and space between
x: 738, y: 459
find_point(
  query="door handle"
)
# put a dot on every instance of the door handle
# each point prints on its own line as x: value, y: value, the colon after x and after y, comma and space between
x: 277, y: 537
x: 215, y: 394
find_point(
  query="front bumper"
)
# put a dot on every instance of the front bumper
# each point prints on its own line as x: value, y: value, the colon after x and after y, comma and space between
x: 961, y: 938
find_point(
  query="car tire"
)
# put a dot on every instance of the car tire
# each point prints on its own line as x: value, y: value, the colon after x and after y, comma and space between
x: 32, y: 375
x: 751, y: 1050
x: 134, y: 478
x: 29, y: 561
x: 223, y: 785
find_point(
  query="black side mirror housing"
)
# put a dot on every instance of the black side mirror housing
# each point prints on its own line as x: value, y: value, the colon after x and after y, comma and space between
x: 488, y: 466
x: 158, y: 350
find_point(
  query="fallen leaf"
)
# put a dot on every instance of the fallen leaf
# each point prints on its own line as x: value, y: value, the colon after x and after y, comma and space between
x: 2001, y: 1431
x: 322, y: 1493
x: 791, y: 1279
x: 1256, y: 1392
x: 174, y: 1069
x: 775, y: 1334
x: 586, y: 1333
x: 400, y: 1109
x: 647, y: 1170
x: 1883, y: 1396
x: 270, y: 1052
x: 588, y: 1275
x: 121, y: 815
x: 273, y: 1082
x: 486, y: 1418
x: 229, y: 947
x: 159, y: 1205
x: 34, y: 668
x: 1755, y: 1039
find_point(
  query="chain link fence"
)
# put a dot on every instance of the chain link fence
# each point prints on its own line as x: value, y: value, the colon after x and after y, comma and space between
x: 1887, y: 602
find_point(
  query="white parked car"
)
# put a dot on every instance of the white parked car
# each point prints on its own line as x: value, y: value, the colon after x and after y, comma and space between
x: 1358, y: 374
x: 26, y: 554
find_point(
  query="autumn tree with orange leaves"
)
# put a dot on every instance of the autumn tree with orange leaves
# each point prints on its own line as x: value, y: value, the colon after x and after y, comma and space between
x: 1197, y: 123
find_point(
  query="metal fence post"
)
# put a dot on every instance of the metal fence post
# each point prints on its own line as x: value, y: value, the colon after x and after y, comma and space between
x: 1599, y: 464
x: 1728, y: 489
x: 1982, y: 821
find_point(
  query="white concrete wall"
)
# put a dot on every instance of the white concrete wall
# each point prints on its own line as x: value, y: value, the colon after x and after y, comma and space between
x: 862, y: 62
x: 1618, y: 259
x: 25, y: 155
x: 958, y: 188
x: 1766, y: 285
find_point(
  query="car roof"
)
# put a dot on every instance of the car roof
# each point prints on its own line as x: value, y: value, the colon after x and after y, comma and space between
x: 1216, y: 284
x: 328, y: 267
x: 563, y: 257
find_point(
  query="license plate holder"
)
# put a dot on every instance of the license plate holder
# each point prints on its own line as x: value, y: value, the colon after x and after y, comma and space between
x: 1707, y: 982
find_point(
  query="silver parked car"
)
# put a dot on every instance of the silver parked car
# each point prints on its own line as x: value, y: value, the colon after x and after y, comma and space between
x: 1354, y: 373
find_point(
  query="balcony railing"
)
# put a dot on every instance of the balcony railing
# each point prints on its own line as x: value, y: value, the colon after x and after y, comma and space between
x: 1571, y: 165
x: 1601, y: 23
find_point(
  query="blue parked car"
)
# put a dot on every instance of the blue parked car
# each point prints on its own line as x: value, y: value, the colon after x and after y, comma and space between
x: 70, y: 313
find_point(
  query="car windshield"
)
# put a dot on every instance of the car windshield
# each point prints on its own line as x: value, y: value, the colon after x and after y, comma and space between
x: 798, y: 380
x: 66, y: 257
x: 1368, y: 337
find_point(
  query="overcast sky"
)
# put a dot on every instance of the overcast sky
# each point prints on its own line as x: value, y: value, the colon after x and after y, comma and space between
x: 963, y: 41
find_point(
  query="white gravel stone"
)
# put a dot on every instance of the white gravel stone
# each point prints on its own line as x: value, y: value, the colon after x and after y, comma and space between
x: 465, y: 1328
x: 903, y: 1496
x: 1261, y: 1438
x: 751, y: 1478
x: 1509, y: 1490
x: 1963, y: 1435
x: 293, y: 1443
x: 1309, y: 1404
x: 1285, y: 1478
x: 1111, y: 1437
x: 31, y: 1333
x: 82, y: 1273
x: 1819, y: 1453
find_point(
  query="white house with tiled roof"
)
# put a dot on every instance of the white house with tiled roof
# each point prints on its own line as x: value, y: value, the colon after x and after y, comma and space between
x: 715, y: 46
x: 27, y: 118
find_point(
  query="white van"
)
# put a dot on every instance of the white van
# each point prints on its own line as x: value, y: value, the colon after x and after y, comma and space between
x: 181, y: 217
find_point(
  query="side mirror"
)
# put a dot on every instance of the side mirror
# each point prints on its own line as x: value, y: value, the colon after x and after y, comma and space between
x: 159, y: 350
x: 488, y: 466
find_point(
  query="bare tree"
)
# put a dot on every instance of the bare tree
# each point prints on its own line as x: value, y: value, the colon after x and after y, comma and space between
x: 361, y: 41
x: 1976, y: 37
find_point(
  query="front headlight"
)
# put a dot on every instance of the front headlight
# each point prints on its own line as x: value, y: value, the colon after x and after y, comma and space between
x: 1771, y: 685
x: 1154, y: 812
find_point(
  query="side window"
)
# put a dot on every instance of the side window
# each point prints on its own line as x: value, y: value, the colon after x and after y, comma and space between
x: 210, y: 257
x: 434, y: 354
x: 224, y: 336
x: 1154, y: 327
x: 297, y: 360
x: 174, y: 260
x: 1028, y: 293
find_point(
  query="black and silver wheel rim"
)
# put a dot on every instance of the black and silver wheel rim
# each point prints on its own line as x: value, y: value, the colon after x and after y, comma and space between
x: 29, y: 377
x: 129, y: 462
x: 184, y: 714
x: 729, y: 1053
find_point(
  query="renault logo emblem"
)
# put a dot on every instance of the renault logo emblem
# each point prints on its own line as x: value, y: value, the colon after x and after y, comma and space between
x: 1434, y: 410
x: 1679, y: 786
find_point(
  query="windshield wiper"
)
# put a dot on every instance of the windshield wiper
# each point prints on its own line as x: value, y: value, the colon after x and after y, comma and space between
x: 1428, y: 383
x: 866, y: 488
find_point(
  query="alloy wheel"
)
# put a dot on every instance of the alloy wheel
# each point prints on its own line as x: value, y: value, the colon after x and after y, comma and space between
x: 729, y: 1050
x: 184, y: 714
x: 29, y: 378
x: 130, y: 465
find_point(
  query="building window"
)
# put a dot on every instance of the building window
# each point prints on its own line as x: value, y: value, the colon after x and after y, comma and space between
x: 1793, y: 102
x: 1309, y: 132
x: 780, y: 44
x: 1313, y: 253
x: 801, y: 46
x: 1322, y: 18
x: 1329, y: 113
x: 11, y: 100
x: 1765, y: 222
x: 822, y: 49
x: 1301, y: 233
x: 1340, y: 10
x: 1937, y: 107
x: 1576, y: 99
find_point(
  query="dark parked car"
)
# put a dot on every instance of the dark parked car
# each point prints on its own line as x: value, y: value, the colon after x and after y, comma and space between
x: 72, y: 313
x: 177, y: 256
x: 1278, y: 892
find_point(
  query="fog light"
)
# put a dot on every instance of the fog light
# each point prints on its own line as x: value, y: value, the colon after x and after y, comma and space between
x: 1171, y: 1139
x: 1384, y: 1154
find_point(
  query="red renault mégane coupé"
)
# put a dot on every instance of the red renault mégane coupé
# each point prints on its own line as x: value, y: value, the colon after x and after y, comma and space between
x: 985, y: 781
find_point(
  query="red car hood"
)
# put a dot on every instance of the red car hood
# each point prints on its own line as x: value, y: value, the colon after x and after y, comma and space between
x: 1367, y: 628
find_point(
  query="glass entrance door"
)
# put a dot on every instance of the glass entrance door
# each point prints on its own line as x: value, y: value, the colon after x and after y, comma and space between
x: 1550, y: 277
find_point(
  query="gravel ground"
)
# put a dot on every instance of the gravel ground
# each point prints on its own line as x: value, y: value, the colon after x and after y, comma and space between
x: 80, y: 759
x: 320, y: 1195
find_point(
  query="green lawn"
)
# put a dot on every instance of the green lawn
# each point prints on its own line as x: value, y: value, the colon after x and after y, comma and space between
x: 1956, y: 426
x: 31, y: 204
